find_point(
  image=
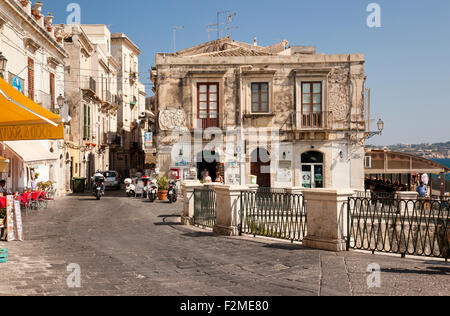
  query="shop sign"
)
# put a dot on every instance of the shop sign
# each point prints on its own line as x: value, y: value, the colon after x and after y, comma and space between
x: 148, y: 143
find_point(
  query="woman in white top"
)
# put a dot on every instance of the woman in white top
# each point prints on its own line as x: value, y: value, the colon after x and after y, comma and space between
x: 207, y: 178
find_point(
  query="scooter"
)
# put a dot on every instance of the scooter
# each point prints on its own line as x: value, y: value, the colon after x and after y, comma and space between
x: 172, y: 194
x: 130, y: 187
x: 147, y: 187
x: 153, y: 191
x: 98, y: 190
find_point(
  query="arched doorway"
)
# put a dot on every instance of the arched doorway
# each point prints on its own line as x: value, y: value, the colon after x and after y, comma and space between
x: 312, y: 170
x: 209, y: 161
x: 260, y: 167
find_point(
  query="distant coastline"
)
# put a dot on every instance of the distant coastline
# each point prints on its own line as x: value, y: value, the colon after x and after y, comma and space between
x: 445, y: 162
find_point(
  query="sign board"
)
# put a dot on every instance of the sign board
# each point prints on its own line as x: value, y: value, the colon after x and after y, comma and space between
x: 148, y: 142
x: 306, y: 179
x: 18, y: 221
x: 17, y: 83
x: 284, y: 172
x: 10, y: 233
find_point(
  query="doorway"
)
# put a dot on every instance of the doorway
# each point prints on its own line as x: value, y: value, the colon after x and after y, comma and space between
x: 208, y: 161
x: 260, y: 167
x: 312, y: 170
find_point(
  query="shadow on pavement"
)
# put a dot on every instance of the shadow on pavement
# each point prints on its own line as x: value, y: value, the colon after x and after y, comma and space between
x: 430, y: 271
x: 167, y: 224
x: 200, y: 234
x: 285, y: 246
x: 169, y: 216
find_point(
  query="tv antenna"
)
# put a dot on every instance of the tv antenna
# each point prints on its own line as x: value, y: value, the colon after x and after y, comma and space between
x: 219, y: 13
x: 229, y: 21
x: 210, y: 28
x: 175, y: 29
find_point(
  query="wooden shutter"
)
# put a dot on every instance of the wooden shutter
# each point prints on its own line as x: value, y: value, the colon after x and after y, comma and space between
x: 31, y: 78
x: 52, y: 92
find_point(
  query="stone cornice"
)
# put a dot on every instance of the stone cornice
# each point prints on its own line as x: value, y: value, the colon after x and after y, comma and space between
x: 37, y: 28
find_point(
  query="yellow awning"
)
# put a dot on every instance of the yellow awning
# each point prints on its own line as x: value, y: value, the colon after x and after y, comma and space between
x: 4, y: 164
x: 23, y: 119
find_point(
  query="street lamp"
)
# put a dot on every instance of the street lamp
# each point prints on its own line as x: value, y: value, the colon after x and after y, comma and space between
x: 60, y: 100
x: 3, y: 62
x: 380, y: 126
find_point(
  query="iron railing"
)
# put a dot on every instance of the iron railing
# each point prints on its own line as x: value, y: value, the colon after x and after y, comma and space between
x: 271, y: 190
x: 406, y: 227
x: 275, y: 215
x: 313, y: 120
x: 205, y: 207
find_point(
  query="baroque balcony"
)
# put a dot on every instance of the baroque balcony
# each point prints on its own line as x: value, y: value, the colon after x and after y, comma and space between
x: 313, y: 120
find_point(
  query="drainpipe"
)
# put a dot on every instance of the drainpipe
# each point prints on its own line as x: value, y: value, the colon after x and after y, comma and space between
x: 241, y: 123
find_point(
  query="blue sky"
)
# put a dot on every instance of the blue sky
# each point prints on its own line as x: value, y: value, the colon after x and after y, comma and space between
x: 407, y: 59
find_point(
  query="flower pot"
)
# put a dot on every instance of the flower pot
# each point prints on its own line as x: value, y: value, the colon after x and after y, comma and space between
x: 25, y: 2
x: 37, y: 9
x: 162, y: 195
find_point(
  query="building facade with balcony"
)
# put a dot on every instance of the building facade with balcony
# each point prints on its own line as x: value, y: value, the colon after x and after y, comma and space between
x: 35, y: 55
x: 129, y: 157
x: 300, y: 114
x: 91, y: 94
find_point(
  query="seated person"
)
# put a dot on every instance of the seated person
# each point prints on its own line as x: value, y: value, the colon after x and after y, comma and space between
x: 3, y: 190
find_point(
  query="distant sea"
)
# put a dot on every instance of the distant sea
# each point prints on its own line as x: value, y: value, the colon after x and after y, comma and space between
x: 445, y: 162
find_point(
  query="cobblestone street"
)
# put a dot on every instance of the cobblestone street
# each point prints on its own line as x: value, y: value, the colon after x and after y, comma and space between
x: 131, y: 247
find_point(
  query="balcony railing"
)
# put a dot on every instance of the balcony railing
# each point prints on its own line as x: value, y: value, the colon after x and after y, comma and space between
x: 44, y: 99
x: 109, y: 97
x: 91, y: 85
x: 313, y: 120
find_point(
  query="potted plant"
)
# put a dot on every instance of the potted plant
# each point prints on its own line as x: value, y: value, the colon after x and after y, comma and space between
x: 163, y: 187
x: 37, y: 9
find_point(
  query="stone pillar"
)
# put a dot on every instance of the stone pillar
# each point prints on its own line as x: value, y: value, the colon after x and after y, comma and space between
x: 326, y: 210
x: 252, y: 187
x: 407, y: 202
x: 188, y: 187
x: 228, y: 215
x: 295, y: 190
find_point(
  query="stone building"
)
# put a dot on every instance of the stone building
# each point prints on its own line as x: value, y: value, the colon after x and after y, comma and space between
x: 301, y: 114
x: 91, y: 93
x: 35, y: 55
x: 130, y: 156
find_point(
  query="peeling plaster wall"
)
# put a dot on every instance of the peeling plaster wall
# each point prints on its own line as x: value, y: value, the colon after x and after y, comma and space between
x: 176, y: 80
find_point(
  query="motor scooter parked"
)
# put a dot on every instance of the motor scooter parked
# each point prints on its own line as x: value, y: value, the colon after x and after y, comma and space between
x: 172, y: 194
x: 130, y: 187
x: 153, y: 191
x: 147, y: 187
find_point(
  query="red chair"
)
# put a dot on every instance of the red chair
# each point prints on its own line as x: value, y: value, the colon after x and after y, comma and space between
x: 42, y: 199
x: 35, y: 200
x: 3, y: 202
x: 26, y: 202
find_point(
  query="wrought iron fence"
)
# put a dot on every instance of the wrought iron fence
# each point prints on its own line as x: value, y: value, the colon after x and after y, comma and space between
x: 276, y: 215
x: 205, y: 207
x: 406, y: 227
x: 271, y: 190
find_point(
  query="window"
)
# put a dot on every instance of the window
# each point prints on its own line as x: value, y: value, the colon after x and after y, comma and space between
x: 312, y: 104
x: 260, y: 97
x: 87, y: 122
x: 208, y: 104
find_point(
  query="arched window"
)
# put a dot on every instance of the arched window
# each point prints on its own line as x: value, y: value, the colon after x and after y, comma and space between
x: 312, y: 157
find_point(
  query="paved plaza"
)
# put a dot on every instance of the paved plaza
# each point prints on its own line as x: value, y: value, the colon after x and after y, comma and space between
x: 131, y: 247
